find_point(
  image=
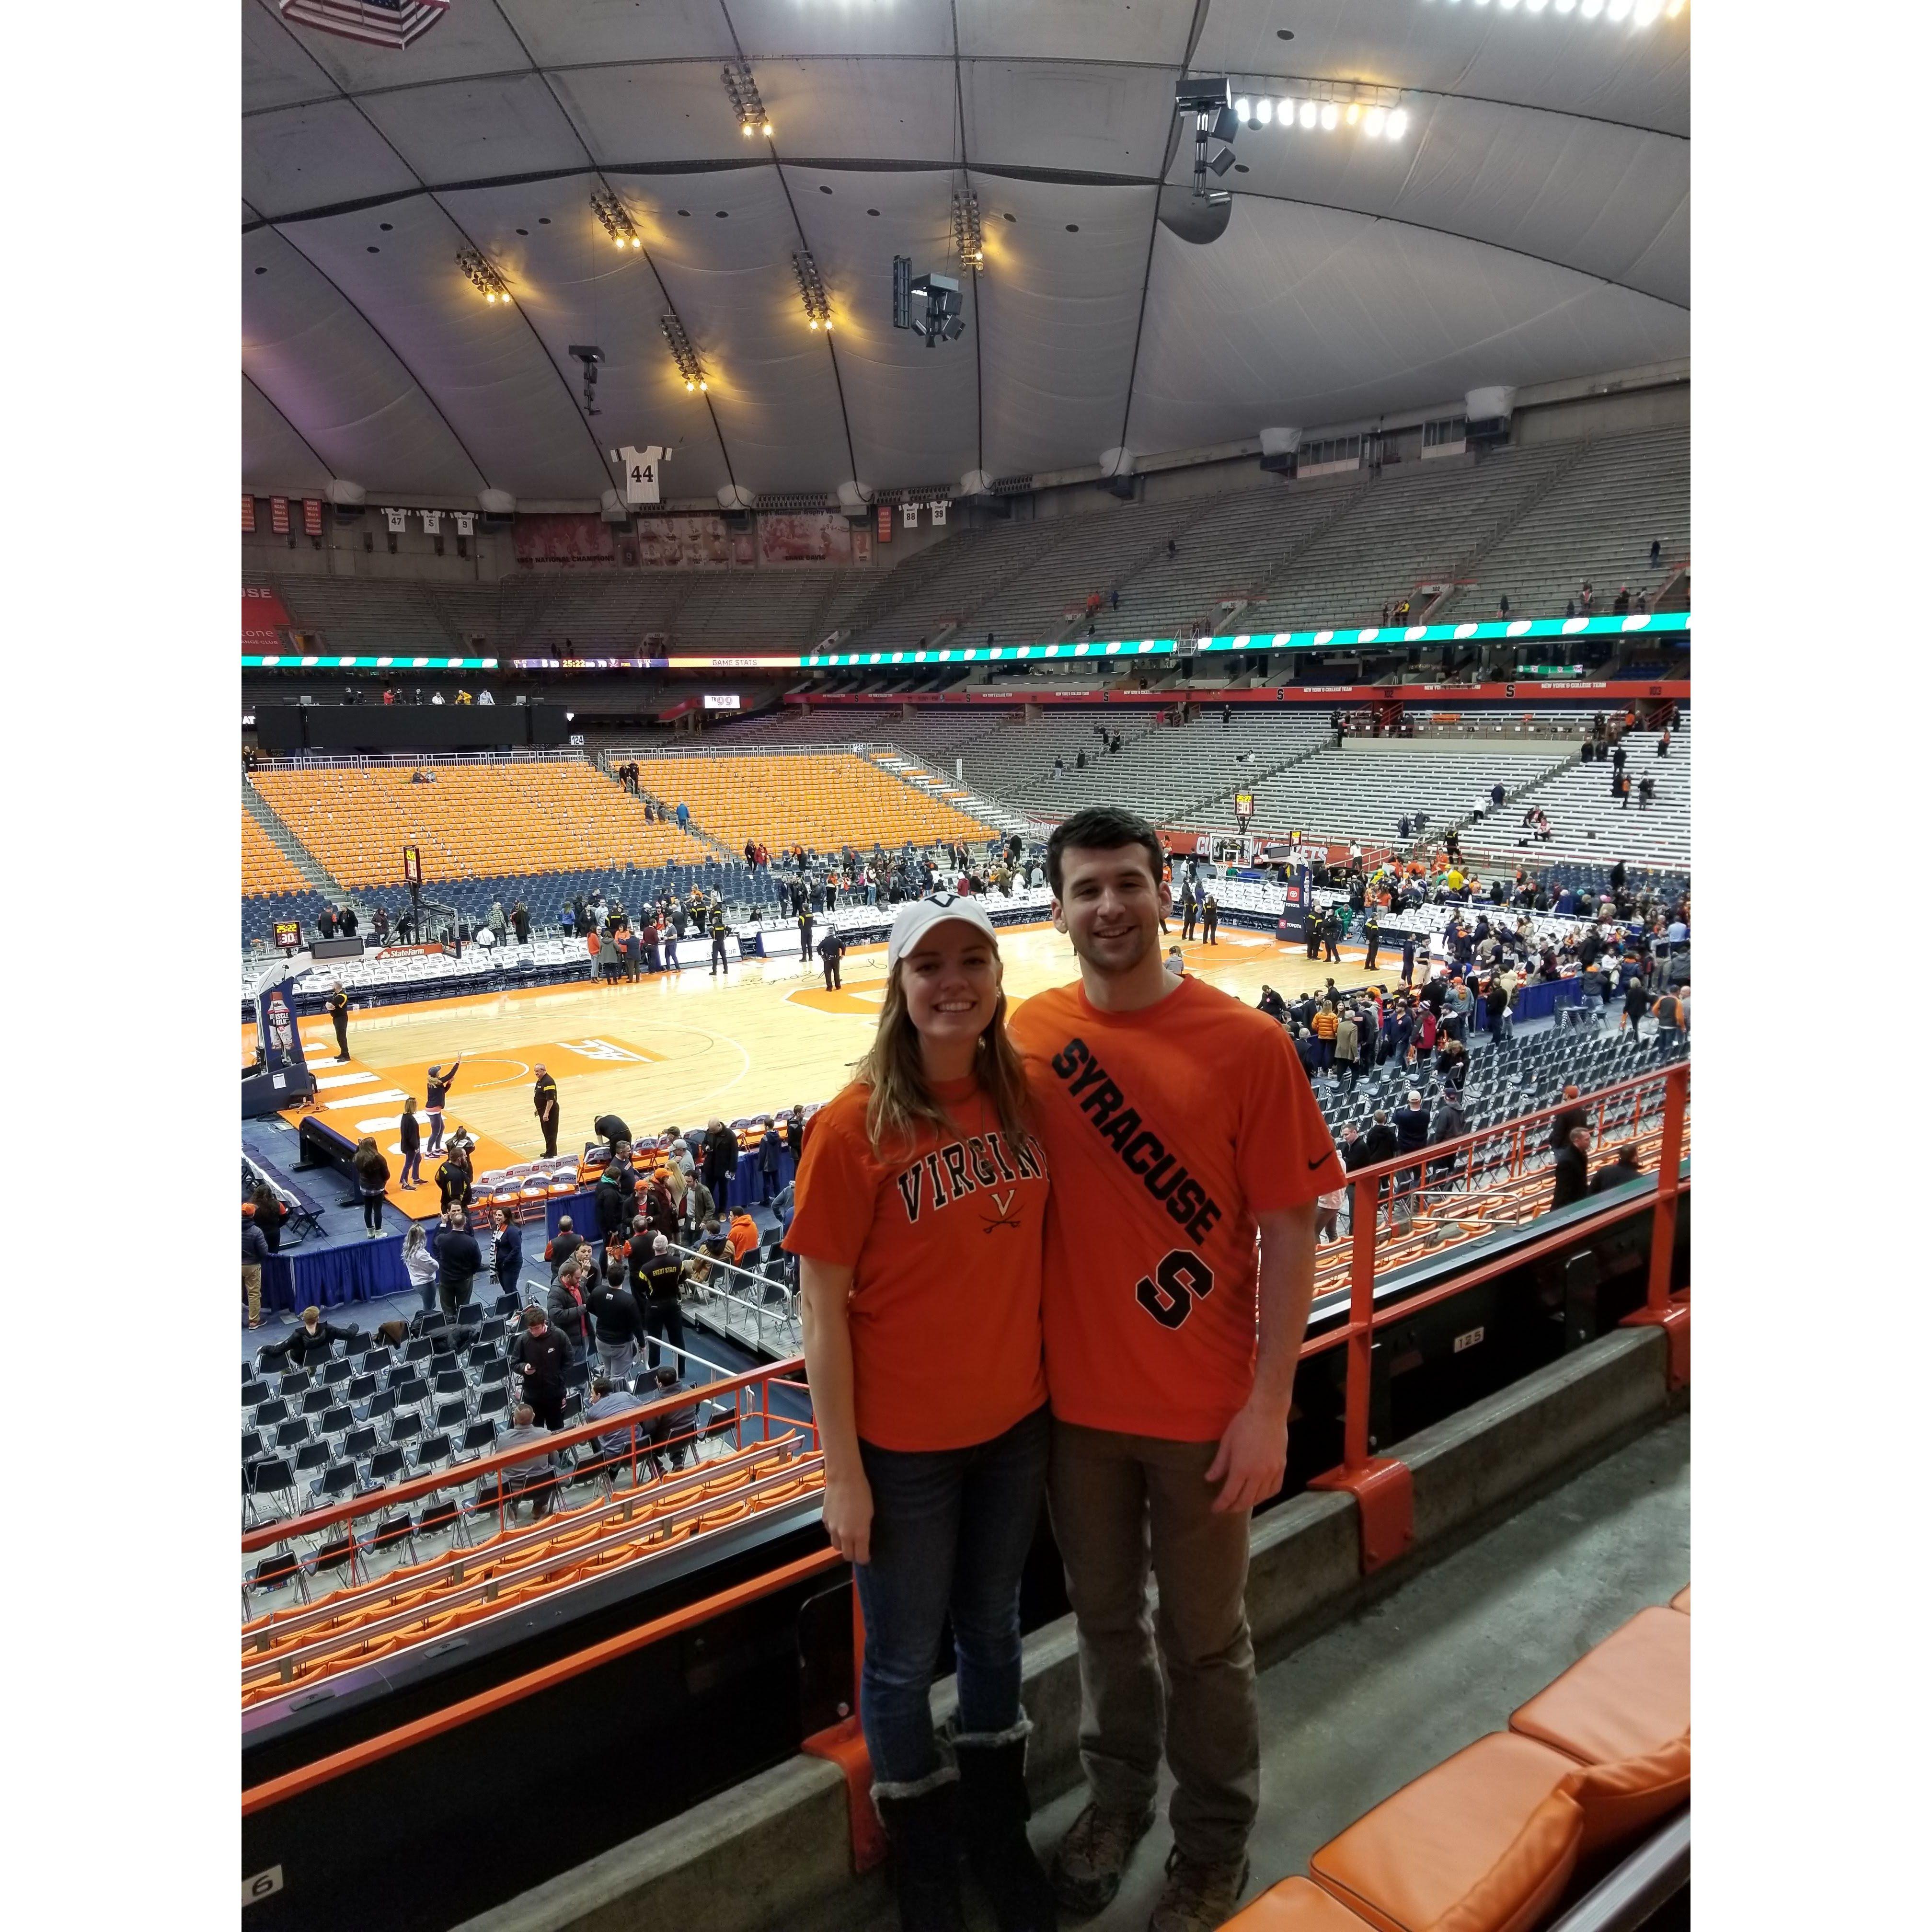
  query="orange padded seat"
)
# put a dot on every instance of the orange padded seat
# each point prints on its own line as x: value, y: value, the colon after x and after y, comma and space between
x: 1628, y: 1698
x: 1624, y: 1709
x: 1294, y: 1906
x: 1682, y: 1601
x: 1484, y: 1843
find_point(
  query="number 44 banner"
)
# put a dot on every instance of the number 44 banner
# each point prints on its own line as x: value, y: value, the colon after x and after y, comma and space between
x: 641, y: 472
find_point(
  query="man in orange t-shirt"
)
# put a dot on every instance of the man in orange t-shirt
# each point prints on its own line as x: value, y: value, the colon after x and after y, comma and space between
x: 1177, y: 1123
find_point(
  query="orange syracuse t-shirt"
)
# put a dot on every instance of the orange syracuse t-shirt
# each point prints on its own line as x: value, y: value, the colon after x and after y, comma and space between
x: 944, y: 1239
x: 1168, y: 1130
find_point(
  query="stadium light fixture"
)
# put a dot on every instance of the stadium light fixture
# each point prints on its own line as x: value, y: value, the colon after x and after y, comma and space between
x: 1373, y: 123
x: 746, y: 102
x: 1398, y: 124
x: 482, y: 277
x: 1308, y: 114
x: 690, y: 366
x: 616, y: 218
x: 969, y: 242
x: 811, y: 292
x: 1264, y: 111
x: 1330, y: 115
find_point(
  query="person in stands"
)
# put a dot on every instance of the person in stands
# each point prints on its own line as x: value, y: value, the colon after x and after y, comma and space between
x: 1624, y: 1166
x: 458, y: 1260
x: 254, y: 1252
x: 768, y: 1150
x: 506, y: 1251
x: 610, y: 1399
x: 742, y: 1234
x: 372, y: 1180
x: 616, y: 1325
x: 568, y: 1303
x: 530, y: 1477
x: 1170, y: 1422
x: 932, y: 1407
x: 313, y: 1338
x: 543, y: 1097
x: 562, y: 1245
x: 659, y: 1280
x: 419, y: 1262
x: 673, y: 1432
x: 1571, y: 1169
x: 541, y: 1357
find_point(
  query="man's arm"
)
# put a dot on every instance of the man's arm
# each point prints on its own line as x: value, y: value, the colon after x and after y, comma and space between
x: 1253, y: 1454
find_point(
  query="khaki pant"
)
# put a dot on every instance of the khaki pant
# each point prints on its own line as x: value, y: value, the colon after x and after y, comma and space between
x: 1115, y: 1499
x: 251, y: 1286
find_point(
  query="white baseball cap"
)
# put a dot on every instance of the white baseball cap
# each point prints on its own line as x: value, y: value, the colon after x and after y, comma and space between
x: 916, y: 916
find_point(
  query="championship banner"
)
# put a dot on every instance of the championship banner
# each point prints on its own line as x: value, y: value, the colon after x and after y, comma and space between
x: 312, y: 516
x: 275, y: 1017
x: 247, y: 515
x: 278, y: 515
x: 885, y: 521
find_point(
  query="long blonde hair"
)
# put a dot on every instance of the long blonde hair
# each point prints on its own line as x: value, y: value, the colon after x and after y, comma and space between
x: 901, y: 1102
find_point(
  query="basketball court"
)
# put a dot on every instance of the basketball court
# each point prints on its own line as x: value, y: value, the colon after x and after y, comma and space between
x: 683, y: 1048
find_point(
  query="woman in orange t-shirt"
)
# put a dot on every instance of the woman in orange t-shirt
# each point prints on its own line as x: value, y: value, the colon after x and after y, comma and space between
x: 921, y: 1213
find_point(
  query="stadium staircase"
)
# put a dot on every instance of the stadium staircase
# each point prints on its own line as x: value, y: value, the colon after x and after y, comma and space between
x: 265, y: 815
x: 910, y: 771
x: 1461, y: 575
x: 607, y: 761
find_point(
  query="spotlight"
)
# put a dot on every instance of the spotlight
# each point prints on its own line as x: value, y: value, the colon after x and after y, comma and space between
x: 1221, y: 162
x: 746, y: 104
x: 928, y: 305
x: 1566, y: 6
x: 1620, y: 9
x: 1330, y: 114
x: 969, y: 244
x: 1372, y: 126
x: 1264, y: 111
x: 812, y: 291
x: 1647, y: 10
x: 482, y: 277
x: 616, y: 218
x: 1536, y: 6
x: 1308, y: 113
x: 1354, y: 112
x: 683, y: 353
x: 1243, y: 109
x: 1591, y: 8
x: 1287, y: 108
x: 1398, y: 124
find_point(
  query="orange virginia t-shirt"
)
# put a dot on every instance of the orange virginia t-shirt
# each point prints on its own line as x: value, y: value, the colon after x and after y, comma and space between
x: 944, y: 1239
x: 1168, y: 1130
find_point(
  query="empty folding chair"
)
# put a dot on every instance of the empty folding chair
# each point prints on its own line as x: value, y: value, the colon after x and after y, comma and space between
x: 479, y: 1439
x: 493, y: 1330
x: 375, y: 1360
x: 253, y: 1392
x: 338, y: 1480
x: 410, y: 1391
x: 315, y: 1400
x: 452, y: 1381
x: 385, y: 1466
x: 379, y: 1406
x: 280, y: 1567
x: 405, y: 1426
x: 251, y: 1445
x: 273, y: 1476
x: 338, y: 1371
x: 391, y: 1533
x: 268, y: 1413
x: 291, y: 1435
x: 441, y: 1512
x: 294, y: 1383
x: 432, y: 1451
x: 494, y: 1400
x: 360, y: 1441
x: 418, y: 1349
x: 360, y: 1389
x: 452, y: 1414
x: 497, y: 1370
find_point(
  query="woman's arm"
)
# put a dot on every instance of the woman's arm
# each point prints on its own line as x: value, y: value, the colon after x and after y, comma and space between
x: 825, y: 1291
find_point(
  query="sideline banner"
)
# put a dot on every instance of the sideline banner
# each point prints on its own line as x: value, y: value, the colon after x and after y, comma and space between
x: 281, y: 1038
x: 262, y: 614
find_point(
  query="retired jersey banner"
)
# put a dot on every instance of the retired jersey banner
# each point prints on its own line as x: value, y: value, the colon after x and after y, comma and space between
x: 262, y: 614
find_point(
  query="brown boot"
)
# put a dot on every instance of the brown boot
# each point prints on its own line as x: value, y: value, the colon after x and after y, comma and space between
x: 1088, y: 1863
x: 1198, y: 1897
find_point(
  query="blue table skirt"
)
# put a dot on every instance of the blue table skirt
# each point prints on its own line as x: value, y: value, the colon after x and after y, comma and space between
x: 358, y: 1271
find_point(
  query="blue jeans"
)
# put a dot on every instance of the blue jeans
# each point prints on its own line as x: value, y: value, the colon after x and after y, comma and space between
x: 951, y: 1528
x: 412, y: 1167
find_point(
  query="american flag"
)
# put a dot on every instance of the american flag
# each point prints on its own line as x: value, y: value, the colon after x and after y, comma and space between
x: 380, y: 23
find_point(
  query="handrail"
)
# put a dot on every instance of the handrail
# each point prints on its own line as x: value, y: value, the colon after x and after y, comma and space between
x: 393, y: 1496
x: 372, y: 1751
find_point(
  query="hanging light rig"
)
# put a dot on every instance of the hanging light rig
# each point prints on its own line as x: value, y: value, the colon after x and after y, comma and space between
x: 1208, y: 104
x: 968, y: 243
x: 483, y: 278
x: 811, y: 292
x: 616, y: 220
x: 689, y: 367
x: 746, y: 102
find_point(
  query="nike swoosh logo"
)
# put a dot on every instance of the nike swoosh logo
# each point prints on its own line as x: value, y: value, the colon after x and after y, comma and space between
x: 1314, y: 1164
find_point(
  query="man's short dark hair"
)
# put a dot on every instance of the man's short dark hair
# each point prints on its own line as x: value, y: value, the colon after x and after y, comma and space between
x: 1102, y: 828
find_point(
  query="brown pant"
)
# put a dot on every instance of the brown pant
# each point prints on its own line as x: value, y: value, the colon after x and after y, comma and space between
x: 251, y: 1286
x: 1114, y: 1498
